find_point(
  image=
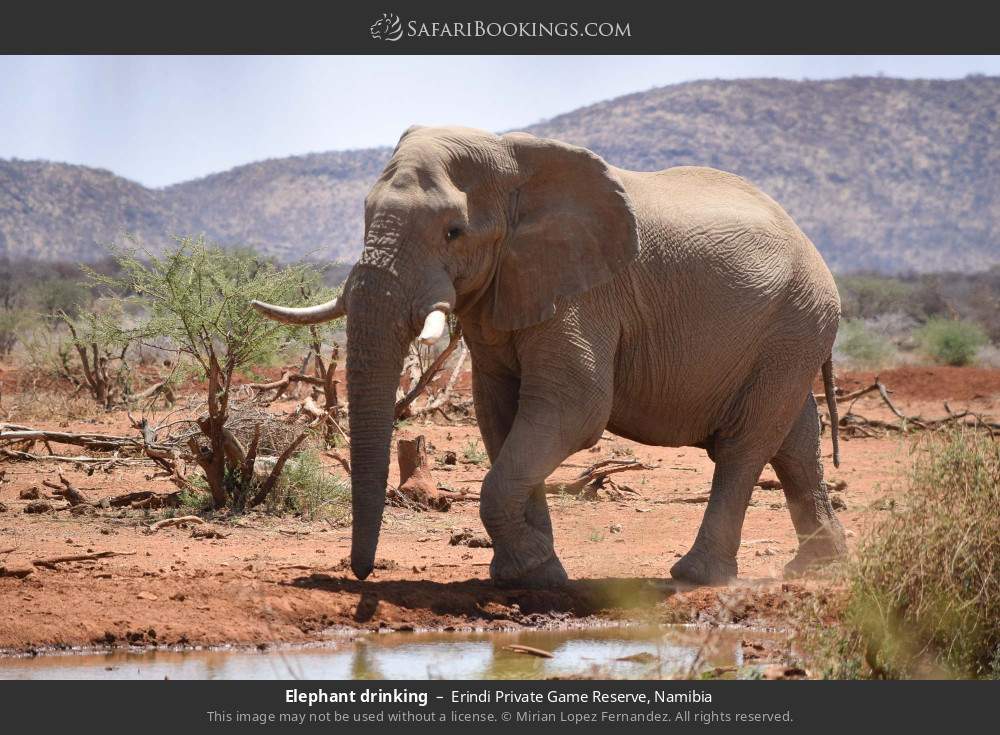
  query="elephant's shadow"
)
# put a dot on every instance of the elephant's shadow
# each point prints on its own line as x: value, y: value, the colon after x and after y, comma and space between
x: 478, y: 599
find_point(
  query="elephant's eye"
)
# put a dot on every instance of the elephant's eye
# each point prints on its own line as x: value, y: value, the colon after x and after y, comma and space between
x: 453, y: 233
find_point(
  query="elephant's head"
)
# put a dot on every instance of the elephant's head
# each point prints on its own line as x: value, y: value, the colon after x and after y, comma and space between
x: 463, y: 221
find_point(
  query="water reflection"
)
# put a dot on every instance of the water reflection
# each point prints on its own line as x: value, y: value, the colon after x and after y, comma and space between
x: 613, y: 652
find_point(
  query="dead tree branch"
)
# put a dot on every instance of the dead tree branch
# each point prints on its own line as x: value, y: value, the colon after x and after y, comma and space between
x: 272, y: 478
x: 855, y: 424
x: 67, y: 491
x: 595, y: 478
x: 51, y: 562
x: 93, y: 442
x: 403, y: 404
x: 167, y: 522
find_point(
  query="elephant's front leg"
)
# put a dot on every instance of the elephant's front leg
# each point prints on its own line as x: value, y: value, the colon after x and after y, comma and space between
x: 548, y: 428
x: 515, y: 514
x: 523, y: 547
x: 496, y: 395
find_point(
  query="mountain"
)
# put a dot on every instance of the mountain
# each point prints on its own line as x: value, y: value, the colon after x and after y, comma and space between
x: 883, y: 174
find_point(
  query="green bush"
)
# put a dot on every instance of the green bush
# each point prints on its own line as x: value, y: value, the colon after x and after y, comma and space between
x: 951, y: 342
x: 306, y: 487
x: 862, y: 347
x: 923, y: 597
x: 196, y: 297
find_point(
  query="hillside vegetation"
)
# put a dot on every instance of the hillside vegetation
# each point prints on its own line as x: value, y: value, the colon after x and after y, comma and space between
x: 883, y: 174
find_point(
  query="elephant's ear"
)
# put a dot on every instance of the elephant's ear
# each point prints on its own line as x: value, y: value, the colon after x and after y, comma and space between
x: 571, y: 228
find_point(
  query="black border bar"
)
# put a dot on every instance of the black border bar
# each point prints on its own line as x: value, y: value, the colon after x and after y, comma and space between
x: 654, y: 27
x: 809, y: 706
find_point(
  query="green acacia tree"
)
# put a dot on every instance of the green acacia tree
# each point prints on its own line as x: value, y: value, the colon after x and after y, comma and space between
x: 197, y: 296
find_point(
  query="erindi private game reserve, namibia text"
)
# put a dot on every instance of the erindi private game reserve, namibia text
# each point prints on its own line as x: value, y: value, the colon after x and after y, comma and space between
x: 488, y: 696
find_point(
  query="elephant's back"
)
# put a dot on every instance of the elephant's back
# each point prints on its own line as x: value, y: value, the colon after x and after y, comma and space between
x: 721, y: 228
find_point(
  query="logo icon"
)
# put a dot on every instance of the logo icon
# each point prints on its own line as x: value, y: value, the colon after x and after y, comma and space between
x: 387, y: 28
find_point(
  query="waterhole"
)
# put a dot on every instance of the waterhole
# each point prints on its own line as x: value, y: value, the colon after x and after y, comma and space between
x: 631, y: 652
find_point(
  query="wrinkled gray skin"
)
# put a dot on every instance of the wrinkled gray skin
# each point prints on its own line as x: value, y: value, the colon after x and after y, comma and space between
x: 675, y: 308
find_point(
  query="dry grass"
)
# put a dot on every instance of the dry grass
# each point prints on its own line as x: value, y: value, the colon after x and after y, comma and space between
x: 51, y: 407
x: 922, y: 598
x: 309, y: 489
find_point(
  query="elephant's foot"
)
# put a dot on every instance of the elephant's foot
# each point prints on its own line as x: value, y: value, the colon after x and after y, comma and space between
x: 701, y: 568
x: 547, y: 575
x: 825, y: 546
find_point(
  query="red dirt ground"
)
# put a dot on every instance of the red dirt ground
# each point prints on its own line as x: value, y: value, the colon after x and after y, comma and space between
x: 279, y: 579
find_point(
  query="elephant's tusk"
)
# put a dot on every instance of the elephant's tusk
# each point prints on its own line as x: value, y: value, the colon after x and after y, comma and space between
x: 308, y: 315
x: 434, y: 326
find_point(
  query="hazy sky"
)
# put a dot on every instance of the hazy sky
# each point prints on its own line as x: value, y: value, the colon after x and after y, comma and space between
x: 160, y: 120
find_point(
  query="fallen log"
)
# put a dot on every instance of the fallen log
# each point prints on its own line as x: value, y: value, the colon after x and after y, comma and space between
x: 856, y: 424
x: 691, y: 500
x: 141, y: 499
x: 51, y: 562
x: 162, y: 388
x: 94, y: 442
x: 282, y: 384
x: 167, y: 522
x: 844, y: 397
x: 79, y: 459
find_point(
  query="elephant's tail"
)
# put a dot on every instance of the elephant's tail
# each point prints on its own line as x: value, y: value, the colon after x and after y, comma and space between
x: 831, y: 404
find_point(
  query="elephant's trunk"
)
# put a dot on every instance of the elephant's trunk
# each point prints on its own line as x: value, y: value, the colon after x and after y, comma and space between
x: 378, y: 332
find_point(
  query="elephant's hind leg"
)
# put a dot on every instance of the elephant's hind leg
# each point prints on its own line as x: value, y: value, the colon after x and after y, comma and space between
x: 800, y: 469
x: 712, y: 558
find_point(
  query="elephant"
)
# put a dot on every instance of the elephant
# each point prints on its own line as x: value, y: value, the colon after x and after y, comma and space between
x: 675, y: 308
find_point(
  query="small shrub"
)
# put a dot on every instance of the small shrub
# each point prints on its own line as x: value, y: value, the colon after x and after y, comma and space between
x: 923, y: 595
x: 307, y: 487
x: 94, y: 361
x: 13, y: 323
x: 472, y: 453
x: 862, y: 347
x: 951, y: 342
x: 192, y: 502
